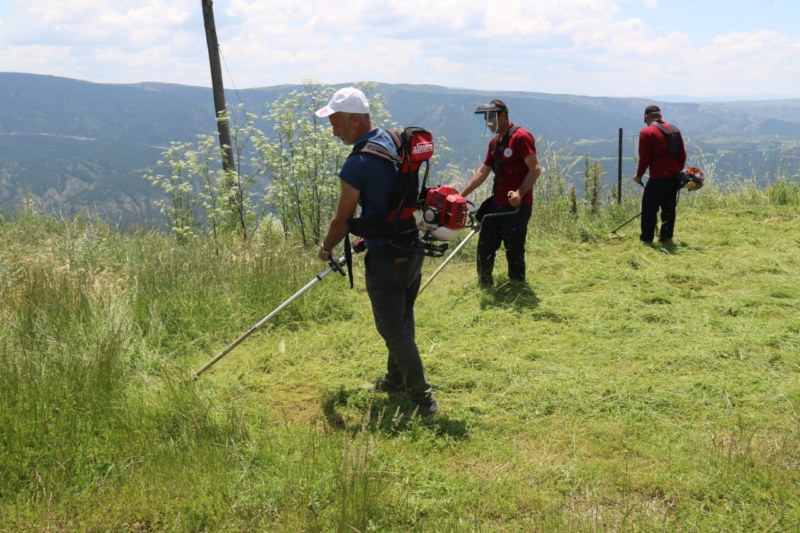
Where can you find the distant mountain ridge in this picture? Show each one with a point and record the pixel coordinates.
(67, 143)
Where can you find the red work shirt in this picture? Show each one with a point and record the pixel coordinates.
(654, 153)
(506, 158)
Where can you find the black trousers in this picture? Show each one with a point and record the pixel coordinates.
(393, 279)
(510, 231)
(659, 194)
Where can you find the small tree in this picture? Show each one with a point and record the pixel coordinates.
(180, 200)
(573, 200)
(203, 164)
(239, 185)
(200, 195)
(304, 158)
(593, 183)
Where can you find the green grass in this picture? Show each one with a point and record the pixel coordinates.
(626, 387)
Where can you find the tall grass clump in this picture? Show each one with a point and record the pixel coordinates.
(783, 192)
(70, 414)
(190, 295)
(67, 345)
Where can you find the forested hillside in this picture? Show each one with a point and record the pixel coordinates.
(67, 144)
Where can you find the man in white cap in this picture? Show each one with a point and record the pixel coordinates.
(393, 274)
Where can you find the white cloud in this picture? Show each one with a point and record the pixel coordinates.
(120, 22)
(600, 47)
(758, 62)
(43, 59)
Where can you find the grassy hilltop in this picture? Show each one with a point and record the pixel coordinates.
(626, 387)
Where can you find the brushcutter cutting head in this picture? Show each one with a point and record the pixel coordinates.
(692, 179)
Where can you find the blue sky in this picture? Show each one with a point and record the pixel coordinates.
(644, 48)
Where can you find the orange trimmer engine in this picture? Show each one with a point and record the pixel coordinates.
(445, 212)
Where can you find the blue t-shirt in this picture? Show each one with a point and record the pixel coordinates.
(374, 177)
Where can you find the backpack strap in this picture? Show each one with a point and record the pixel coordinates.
(673, 136)
(506, 138)
(497, 162)
(348, 258)
(373, 148)
(665, 131)
(378, 150)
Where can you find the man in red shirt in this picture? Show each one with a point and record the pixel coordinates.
(665, 158)
(512, 158)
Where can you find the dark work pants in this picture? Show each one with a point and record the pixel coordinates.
(509, 230)
(659, 194)
(393, 280)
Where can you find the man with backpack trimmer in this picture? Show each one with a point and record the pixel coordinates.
(512, 158)
(393, 268)
(661, 150)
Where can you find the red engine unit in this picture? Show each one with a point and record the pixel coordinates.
(445, 207)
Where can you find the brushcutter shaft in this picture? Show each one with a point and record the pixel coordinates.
(334, 265)
(447, 260)
(634, 217)
(637, 215)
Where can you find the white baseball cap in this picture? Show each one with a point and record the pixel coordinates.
(347, 100)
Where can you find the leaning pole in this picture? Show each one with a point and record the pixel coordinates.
(217, 86)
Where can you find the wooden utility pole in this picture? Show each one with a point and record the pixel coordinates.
(216, 84)
(619, 169)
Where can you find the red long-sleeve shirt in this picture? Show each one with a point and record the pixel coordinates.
(654, 154)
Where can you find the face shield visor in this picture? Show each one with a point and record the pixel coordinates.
(487, 117)
(486, 123)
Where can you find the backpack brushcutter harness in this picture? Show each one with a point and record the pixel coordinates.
(420, 216)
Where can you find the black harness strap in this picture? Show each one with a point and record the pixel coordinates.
(673, 134)
(497, 151)
(348, 258)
